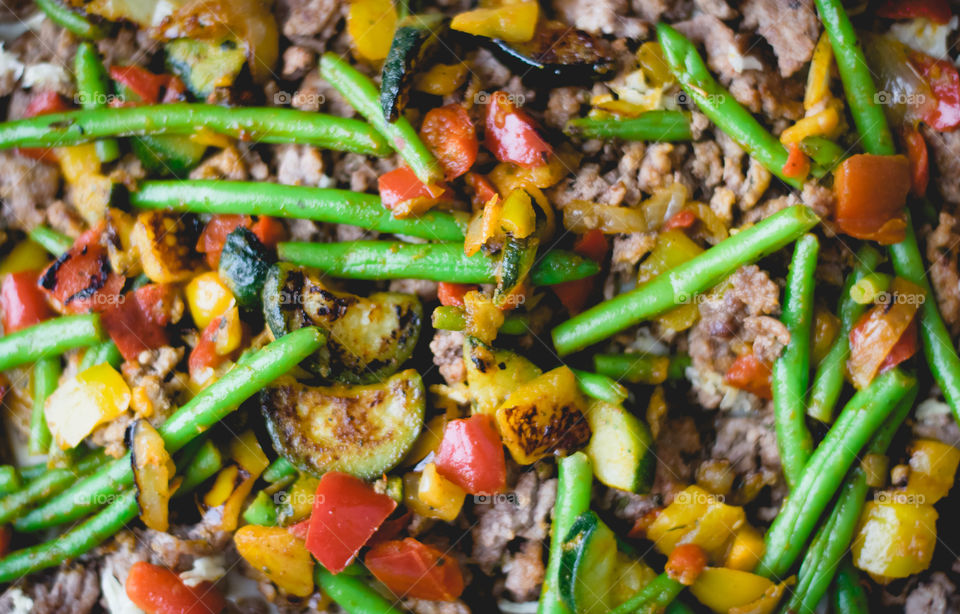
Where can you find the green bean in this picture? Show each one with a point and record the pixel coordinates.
(827, 154)
(825, 470)
(106, 352)
(51, 240)
(46, 376)
(866, 291)
(261, 124)
(655, 596)
(857, 83)
(71, 20)
(301, 202)
(848, 594)
(651, 126)
(354, 594)
(639, 368)
(48, 484)
(574, 487)
(50, 338)
(828, 379)
(680, 284)
(363, 96)
(206, 462)
(215, 402)
(94, 531)
(601, 387)
(719, 105)
(279, 470)
(92, 88)
(450, 317)
(10, 480)
(791, 371)
(833, 539)
(379, 260)
(261, 511)
(32, 472)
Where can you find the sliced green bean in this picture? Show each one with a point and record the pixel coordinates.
(354, 594)
(106, 352)
(653, 597)
(46, 485)
(639, 368)
(601, 387)
(866, 291)
(827, 154)
(206, 462)
(10, 480)
(54, 242)
(848, 594)
(260, 124)
(218, 400)
(379, 260)
(450, 317)
(287, 201)
(32, 472)
(363, 96)
(680, 284)
(50, 338)
(261, 511)
(92, 89)
(791, 371)
(279, 470)
(46, 376)
(71, 20)
(662, 126)
(574, 488)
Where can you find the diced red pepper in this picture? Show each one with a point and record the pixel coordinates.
(918, 158)
(401, 185)
(593, 244)
(681, 219)
(300, 529)
(481, 188)
(81, 279)
(43, 103)
(451, 136)
(452, 294)
(937, 11)
(511, 134)
(22, 301)
(390, 529)
(157, 590)
(904, 349)
(139, 321)
(471, 455)
(269, 230)
(751, 374)
(574, 294)
(797, 165)
(5, 534)
(944, 82)
(641, 524)
(412, 569)
(685, 563)
(871, 194)
(214, 235)
(204, 355)
(346, 513)
(147, 86)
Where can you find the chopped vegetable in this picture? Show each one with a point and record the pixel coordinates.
(153, 469)
(371, 25)
(412, 569)
(279, 555)
(511, 134)
(415, 38)
(159, 590)
(92, 397)
(451, 136)
(894, 540)
(620, 448)
(138, 322)
(22, 301)
(874, 336)
(557, 52)
(871, 192)
(513, 23)
(471, 455)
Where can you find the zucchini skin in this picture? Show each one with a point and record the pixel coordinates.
(557, 54)
(362, 430)
(165, 154)
(244, 263)
(587, 564)
(413, 41)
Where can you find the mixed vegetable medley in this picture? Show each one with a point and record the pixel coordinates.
(556, 308)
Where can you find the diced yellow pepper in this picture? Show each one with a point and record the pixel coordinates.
(371, 24)
(91, 197)
(300, 497)
(875, 467)
(826, 327)
(93, 397)
(205, 136)
(441, 79)
(656, 410)
(673, 248)
(721, 589)
(230, 333)
(411, 495)
(222, 487)
(492, 213)
(473, 238)
(442, 496)
(279, 555)
(25, 256)
(933, 466)
(697, 517)
(78, 161)
(655, 68)
(746, 550)
(124, 257)
(618, 106)
(818, 79)
(484, 319)
(823, 123)
(507, 177)
(518, 217)
(513, 23)
(230, 516)
(894, 540)
(207, 298)
(767, 603)
(429, 441)
(246, 450)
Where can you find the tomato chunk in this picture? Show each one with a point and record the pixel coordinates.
(511, 134)
(880, 330)
(269, 230)
(685, 563)
(797, 164)
(147, 86)
(452, 294)
(412, 569)
(22, 301)
(574, 294)
(157, 590)
(451, 136)
(214, 235)
(903, 349)
(139, 321)
(751, 374)
(481, 190)
(346, 513)
(471, 455)
(871, 193)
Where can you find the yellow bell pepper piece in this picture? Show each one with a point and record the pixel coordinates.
(484, 319)
(279, 555)
(300, 497)
(894, 540)
(230, 516)
(513, 23)
(721, 589)
(697, 517)
(78, 161)
(222, 487)
(826, 327)
(429, 441)
(933, 466)
(441, 79)
(25, 256)
(230, 332)
(617, 106)
(823, 123)
(656, 410)
(767, 603)
(205, 136)
(207, 298)
(518, 217)
(746, 550)
(490, 225)
(655, 68)
(444, 498)
(507, 177)
(371, 24)
(673, 248)
(93, 397)
(246, 450)
(818, 79)
(473, 239)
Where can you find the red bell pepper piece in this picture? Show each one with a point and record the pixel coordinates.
(22, 301)
(139, 321)
(681, 219)
(918, 158)
(749, 373)
(43, 103)
(346, 513)
(574, 294)
(390, 529)
(5, 534)
(300, 529)
(944, 82)
(481, 189)
(269, 230)
(449, 133)
(471, 455)
(798, 164)
(450, 293)
(511, 134)
(81, 279)
(412, 569)
(148, 87)
(871, 193)
(214, 235)
(158, 590)
(905, 348)
(401, 185)
(204, 355)
(937, 11)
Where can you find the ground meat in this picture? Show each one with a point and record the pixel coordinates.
(306, 17)
(154, 371)
(718, 8)
(586, 184)
(726, 51)
(945, 155)
(422, 606)
(124, 48)
(938, 595)
(447, 349)
(227, 165)
(791, 28)
(627, 252)
(626, 505)
(943, 245)
(678, 452)
(564, 104)
(653, 10)
(524, 572)
(600, 17)
(360, 173)
(938, 425)
(769, 336)
(425, 289)
(656, 170)
(64, 218)
(706, 164)
(819, 198)
(297, 62)
(748, 442)
(300, 165)
(26, 188)
(489, 70)
(74, 589)
(173, 552)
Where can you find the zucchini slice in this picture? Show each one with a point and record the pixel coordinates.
(518, 257)
(415, 38)
(204, 66)
(493, 373)
(621, 448)
(167, 154)
(588, 565)
(244, 263)
(370, 337)
(558, 53)
(361, 430)
(153, 469)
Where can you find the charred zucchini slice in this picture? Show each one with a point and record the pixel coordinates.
(362, 430)
(167, 154)
(370, 337)
(516, 260)
(204, 66)
(493, 373)
(153, 469)
(244, 263)
(559, 54)
(621, 448)
(415, 38)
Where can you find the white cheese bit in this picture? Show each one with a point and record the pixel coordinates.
(924, 35)
(48, 76)
(21, 603)
(931, 407)
(205, 569)
(115, 594)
